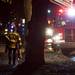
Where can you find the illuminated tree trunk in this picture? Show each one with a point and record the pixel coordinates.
(28, 10)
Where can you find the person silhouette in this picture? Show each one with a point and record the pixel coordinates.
(12, 45)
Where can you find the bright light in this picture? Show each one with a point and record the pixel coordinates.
(5, 33)
(63, 23)
(6, 30)
(49, 40)
(71, 12)
(49, 22)
(49, 44)
(57, 38)
(23, 20)
(22, 25)
(61, 10)
(49, 31)
(19, 24)
(11, 30)
(12, 26)
(50, 49)
(49, 11)
(19, 38)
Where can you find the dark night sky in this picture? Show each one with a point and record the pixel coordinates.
(4, 10)
(17, 8)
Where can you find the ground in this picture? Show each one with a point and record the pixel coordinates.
(56, 64)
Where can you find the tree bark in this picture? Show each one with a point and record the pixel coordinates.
(28, 10)
(35, 40)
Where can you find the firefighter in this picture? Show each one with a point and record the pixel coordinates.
(13, 45)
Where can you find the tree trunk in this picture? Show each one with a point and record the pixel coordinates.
(28, 10)
(35, 48)
(35, 40)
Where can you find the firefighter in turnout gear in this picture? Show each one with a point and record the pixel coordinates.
(14, 43)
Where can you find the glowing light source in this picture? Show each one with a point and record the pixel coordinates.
(12, 26)
(50, 49)
(49, 11)
(22, 25)
(57, 38)
(6, 30)
(63, 23)
(49, 22)
(11, 30)
(23, 20)
(61, 11)
(49, 31)
(49, 40)
(71, 11)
